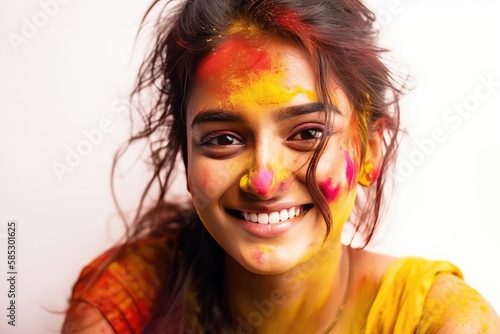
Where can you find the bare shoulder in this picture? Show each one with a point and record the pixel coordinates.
(83, 318)
(458, 308)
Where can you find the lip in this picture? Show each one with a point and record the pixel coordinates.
(269, 208)
(270, 230)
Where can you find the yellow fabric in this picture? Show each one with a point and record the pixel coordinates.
(398, 306)
(125, 290)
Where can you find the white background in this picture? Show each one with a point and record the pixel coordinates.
(76, 71)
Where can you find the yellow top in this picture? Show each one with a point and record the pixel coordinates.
(399, 303)
(125, 290)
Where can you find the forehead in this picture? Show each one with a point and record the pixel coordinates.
(237, 55)
(255, 70)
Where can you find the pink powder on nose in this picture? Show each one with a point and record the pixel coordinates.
(330, 191)
(262, 181)
(349, 170)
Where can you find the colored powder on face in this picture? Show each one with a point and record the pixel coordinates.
(283, 178)
(262, 88)
(244, 182)
(259, 258)
(246, 74)
(262, 181)
(269, 179)
(330, 191)
(233, 58)
(266, 249)
(349, 171)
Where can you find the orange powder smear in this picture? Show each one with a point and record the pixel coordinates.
(245, 73)
(231, 59)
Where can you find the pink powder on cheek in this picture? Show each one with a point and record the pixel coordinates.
(349, 170)
(262, 181)
(330, 191)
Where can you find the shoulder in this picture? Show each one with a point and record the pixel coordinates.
(402, 289)
(117, 288)
(454, 307)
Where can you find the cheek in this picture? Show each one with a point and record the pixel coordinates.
(329, 189)
(341, 177)
(204, 182)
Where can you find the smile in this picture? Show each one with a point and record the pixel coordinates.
(272, 217)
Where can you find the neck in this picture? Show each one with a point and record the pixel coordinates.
(306, 297)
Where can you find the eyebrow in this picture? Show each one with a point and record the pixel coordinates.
(216, 115)
(297, 110)
(221, 115)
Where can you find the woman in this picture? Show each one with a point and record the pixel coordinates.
(286, 121)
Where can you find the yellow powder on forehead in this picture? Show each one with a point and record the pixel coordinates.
(266, 88)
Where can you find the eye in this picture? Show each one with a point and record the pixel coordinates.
(221, 140)
(308, 134)
(305, 137)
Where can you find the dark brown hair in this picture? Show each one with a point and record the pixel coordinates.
(339, 39)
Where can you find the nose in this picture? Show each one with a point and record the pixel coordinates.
(268, 176)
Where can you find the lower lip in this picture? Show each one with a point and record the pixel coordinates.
(271, 230)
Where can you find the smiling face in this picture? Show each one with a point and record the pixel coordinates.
(253, 120)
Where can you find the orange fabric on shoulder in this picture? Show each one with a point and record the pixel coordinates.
(125, 290)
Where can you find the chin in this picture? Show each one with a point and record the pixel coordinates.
(275, 260)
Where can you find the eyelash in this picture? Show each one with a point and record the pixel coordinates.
(300, 143)
(207, 142)
(319, 133)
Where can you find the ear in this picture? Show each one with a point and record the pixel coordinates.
(370, 168)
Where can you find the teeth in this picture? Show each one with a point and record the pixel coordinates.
(263, 218)
(284, 214)
(273, 217)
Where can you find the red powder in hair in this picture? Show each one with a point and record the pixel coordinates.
(330, 191)
(290, 20)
